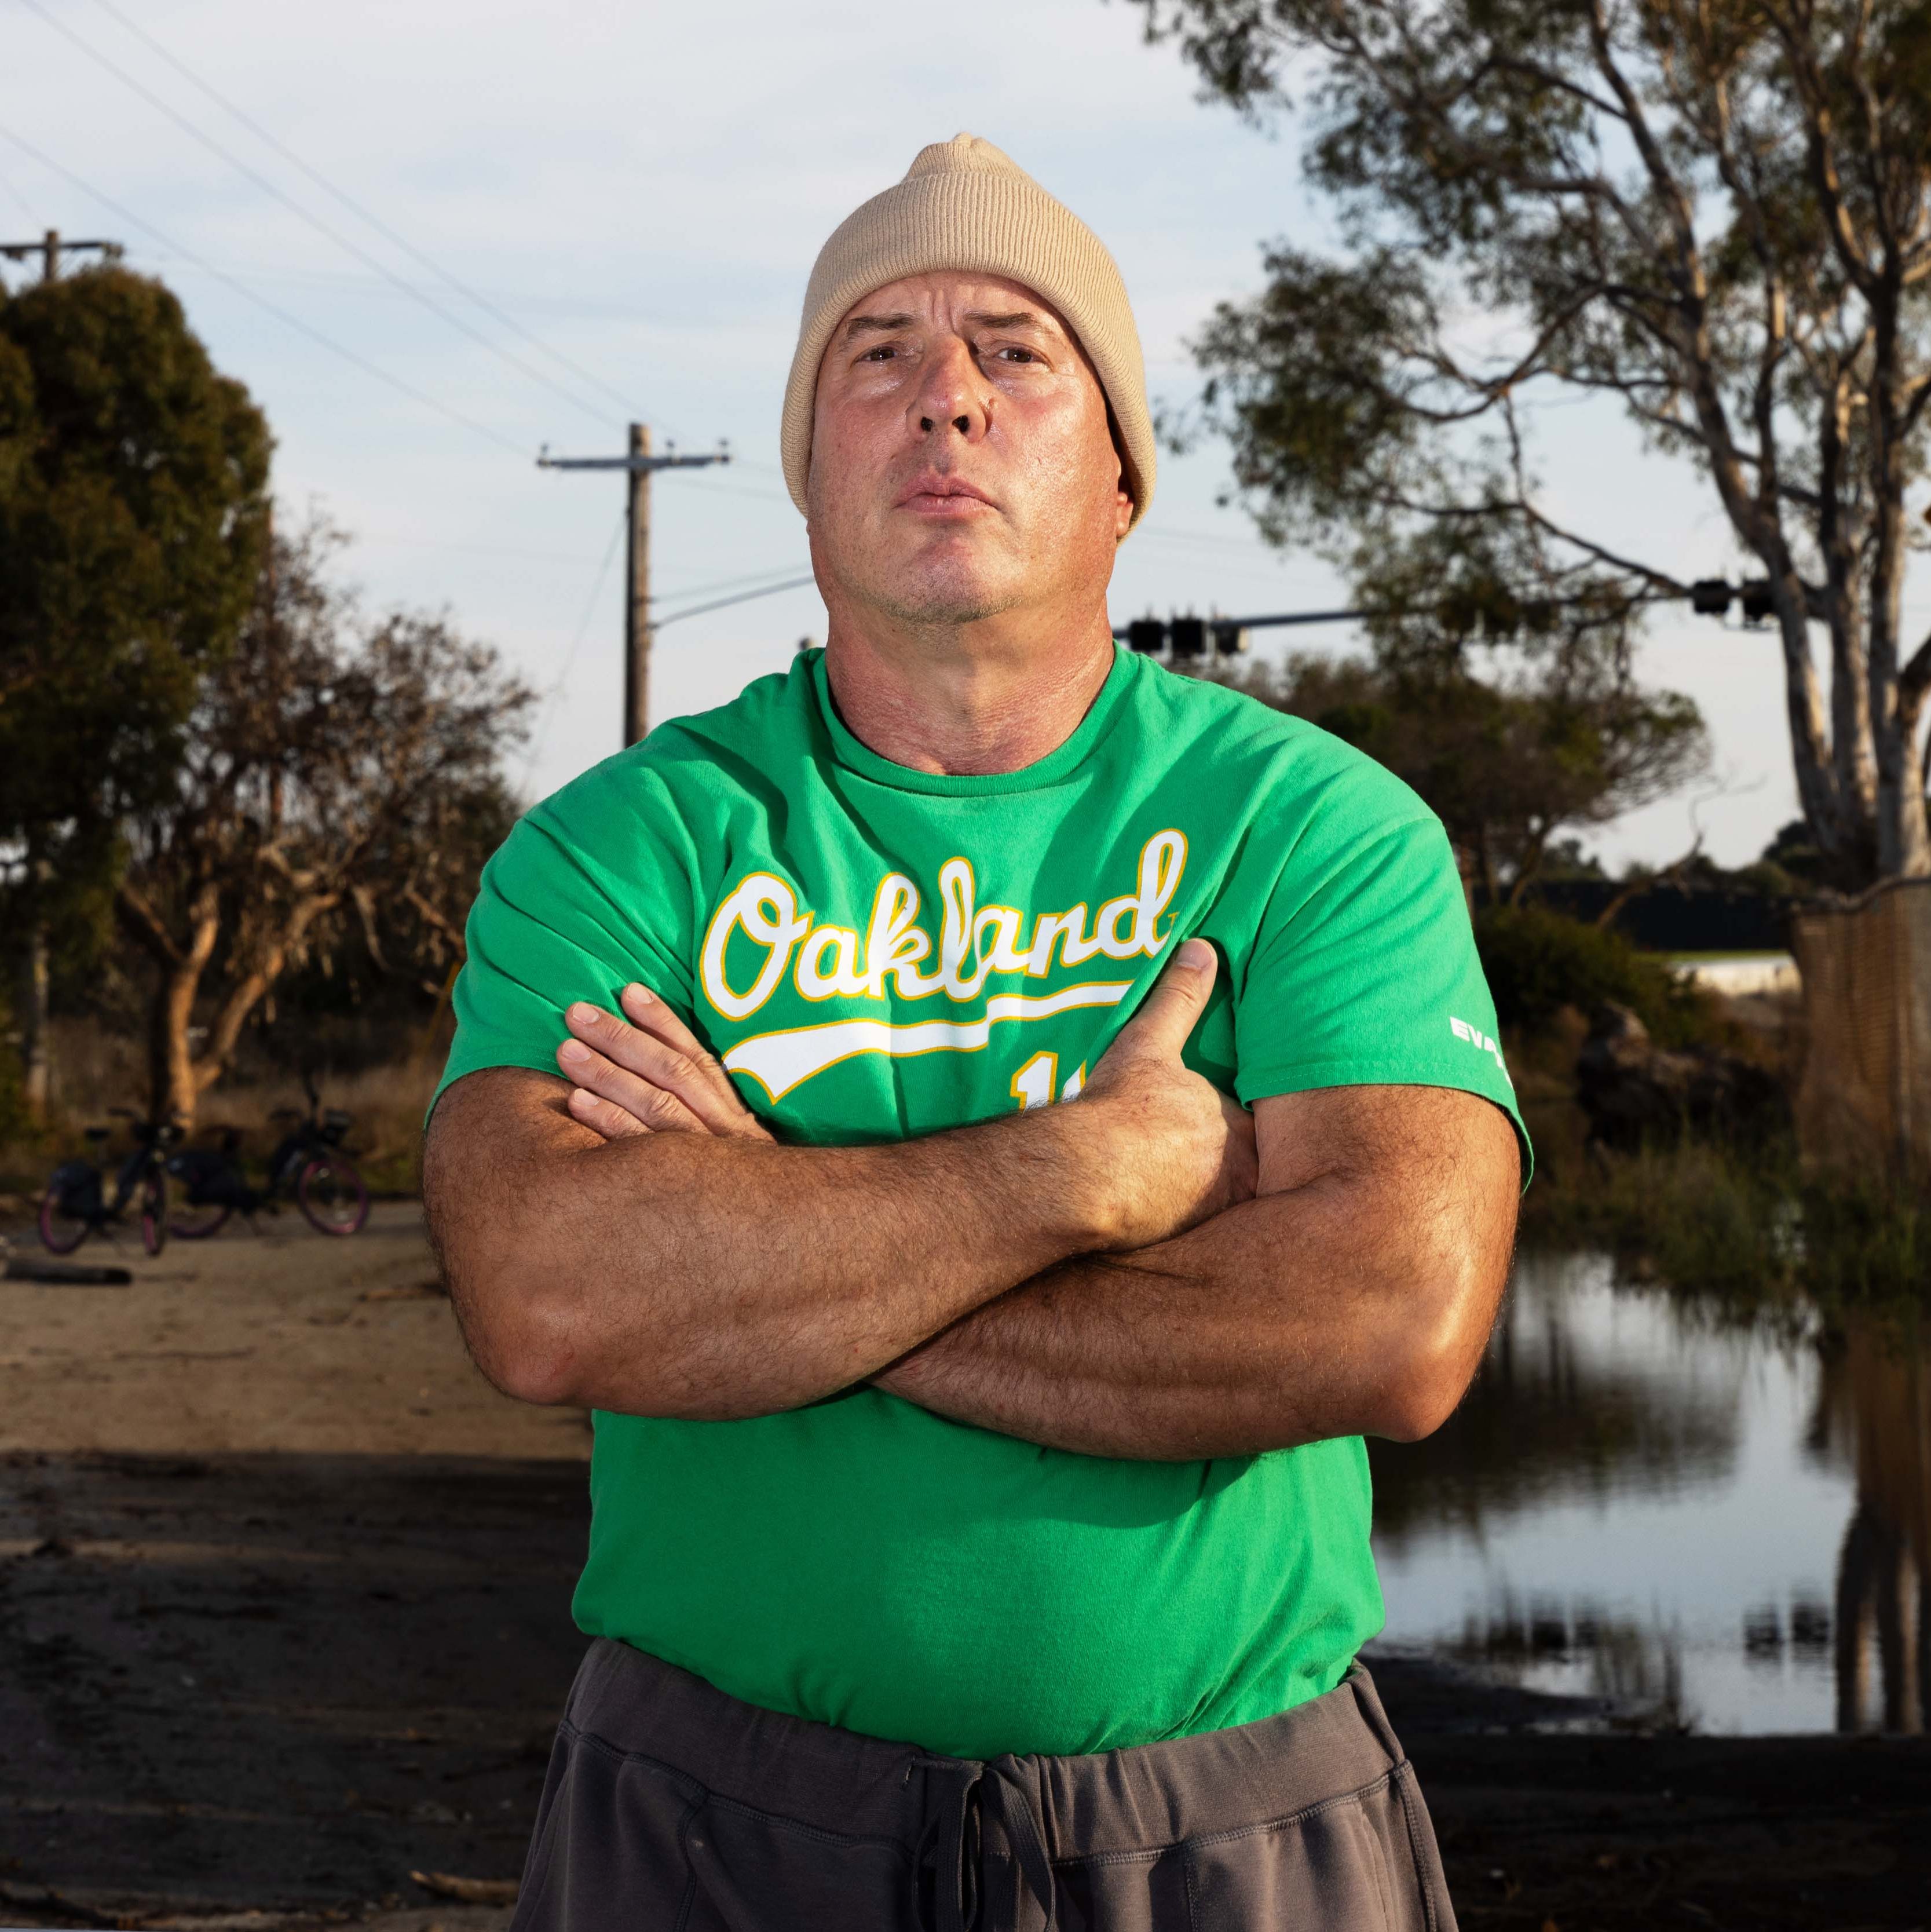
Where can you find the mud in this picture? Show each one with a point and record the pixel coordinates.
(276, 1681)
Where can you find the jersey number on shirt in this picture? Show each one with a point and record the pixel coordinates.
(1031, 1086)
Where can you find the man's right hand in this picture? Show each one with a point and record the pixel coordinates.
(1173, 1150)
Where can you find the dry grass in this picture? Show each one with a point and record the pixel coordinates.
(94, 1070)
(387, 1103)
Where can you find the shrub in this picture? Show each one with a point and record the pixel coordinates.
(1538, 962)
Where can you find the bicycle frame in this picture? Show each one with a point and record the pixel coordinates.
(127, 1177)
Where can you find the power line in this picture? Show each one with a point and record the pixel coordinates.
(315, 221)
(274, 309)
(1205, 540)
(570, 655)
(743, 597)
(705, 487)
(573, 556)
(576, 308)
(748, 577)
(26, 205)
(356, 208)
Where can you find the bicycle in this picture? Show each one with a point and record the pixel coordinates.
(308, 1168)
(76, 1204)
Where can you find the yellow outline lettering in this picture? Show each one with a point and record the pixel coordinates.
(1033, 1085)
(779, 930)
(843, 981)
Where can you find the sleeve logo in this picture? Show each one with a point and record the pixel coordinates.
(1482, 1042)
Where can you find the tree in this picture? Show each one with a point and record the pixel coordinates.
(1716, 212)
(325, 764)
(374, 987)
(133, 503)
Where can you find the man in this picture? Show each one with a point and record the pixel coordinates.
(980, 1530)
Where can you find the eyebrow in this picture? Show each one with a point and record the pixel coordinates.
(887, 324)
(868, 324)
(1023, 318)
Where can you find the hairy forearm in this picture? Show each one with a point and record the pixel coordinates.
(1283, 1321)
(680, 1274)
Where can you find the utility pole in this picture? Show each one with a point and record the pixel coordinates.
(50, 248)
(639, 464)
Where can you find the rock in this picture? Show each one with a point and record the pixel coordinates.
(1634, 1090)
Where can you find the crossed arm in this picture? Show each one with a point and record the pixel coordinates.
(1148, 1272)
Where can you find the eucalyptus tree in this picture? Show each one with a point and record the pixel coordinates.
(1715, 214)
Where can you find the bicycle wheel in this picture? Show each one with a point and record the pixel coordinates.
(330, 1193)
(154, 1211)
(196, 1224)
(60, 1232)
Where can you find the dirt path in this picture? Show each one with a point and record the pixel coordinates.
(284, 1585)
(284, 1594)
(286, 1341)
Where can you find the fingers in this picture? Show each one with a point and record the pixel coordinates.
(708, 1091)
(603, 1116)
(645, 1010)
(655, 1050)
(603, 1079)
(1168, 1013)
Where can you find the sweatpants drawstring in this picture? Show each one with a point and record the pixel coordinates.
(952, 1844)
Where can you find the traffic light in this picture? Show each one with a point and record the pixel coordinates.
(1187, 637)
(1756, 601)
(1230, 639)
(1710, 597)
(1148, 634)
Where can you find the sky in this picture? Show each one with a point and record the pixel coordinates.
(637, 193)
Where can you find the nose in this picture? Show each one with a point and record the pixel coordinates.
(951, 395)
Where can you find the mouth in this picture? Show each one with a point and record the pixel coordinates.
(932, 495)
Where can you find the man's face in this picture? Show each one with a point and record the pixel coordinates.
(962, 462)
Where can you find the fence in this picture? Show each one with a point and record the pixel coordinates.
(1864, 1102)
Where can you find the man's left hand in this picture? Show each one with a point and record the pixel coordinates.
(644, 1071)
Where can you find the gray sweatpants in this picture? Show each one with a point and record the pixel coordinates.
(672, 1807)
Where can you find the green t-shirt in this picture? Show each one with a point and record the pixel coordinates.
(877, 953)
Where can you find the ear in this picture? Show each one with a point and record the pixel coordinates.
(1123, 497)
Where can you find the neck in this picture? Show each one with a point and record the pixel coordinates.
(970, 700)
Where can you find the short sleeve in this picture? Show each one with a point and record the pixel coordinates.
(581, 899)
(1364, 969)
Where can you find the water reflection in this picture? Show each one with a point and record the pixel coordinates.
(1717, 1526)
(1871, 1413)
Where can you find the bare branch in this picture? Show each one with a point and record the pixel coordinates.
(141, 922)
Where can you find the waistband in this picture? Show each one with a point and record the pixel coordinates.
(1135, 1799)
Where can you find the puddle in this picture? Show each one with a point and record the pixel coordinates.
(1721, 1528)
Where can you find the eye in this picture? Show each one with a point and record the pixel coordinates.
(1013, 350)
(884, 351)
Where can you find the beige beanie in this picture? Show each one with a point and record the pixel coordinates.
(963, 205)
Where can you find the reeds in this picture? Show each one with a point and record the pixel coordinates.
(1742, 1224)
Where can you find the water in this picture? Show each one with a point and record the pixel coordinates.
(1723, 1527)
